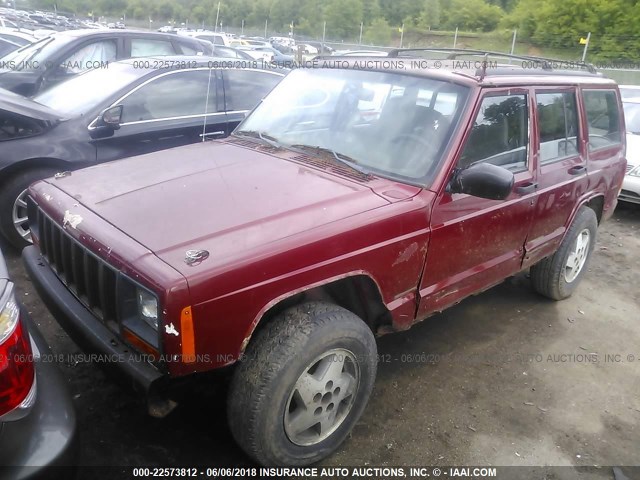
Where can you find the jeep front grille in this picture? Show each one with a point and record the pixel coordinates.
(88, 277)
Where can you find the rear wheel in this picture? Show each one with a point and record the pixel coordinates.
(558, 276)
(14, 224)
(302, 385)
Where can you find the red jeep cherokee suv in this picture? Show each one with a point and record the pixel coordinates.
(355, 200)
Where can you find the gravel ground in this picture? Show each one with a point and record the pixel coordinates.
(504, 378)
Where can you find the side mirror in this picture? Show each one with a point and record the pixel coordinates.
(106, 123)
(483, 180)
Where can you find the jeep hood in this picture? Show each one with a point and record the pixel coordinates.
(214, 196)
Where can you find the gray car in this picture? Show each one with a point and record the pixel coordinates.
(38, 430)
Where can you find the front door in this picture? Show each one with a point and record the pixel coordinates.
(168, 111)
(476, 243)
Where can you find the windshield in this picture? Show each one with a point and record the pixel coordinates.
(34, 56)
(83, 92)
(386, 123)
(632, 117)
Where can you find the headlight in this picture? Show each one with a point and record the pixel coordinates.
(148, 307)
(635, 172)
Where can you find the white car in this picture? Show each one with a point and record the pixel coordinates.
(308, 49)
(631, 185)
(213, 37)
(628, 92)
(267, 55)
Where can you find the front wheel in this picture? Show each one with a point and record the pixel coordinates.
(302, 385)
(14, 224)
(558, 276)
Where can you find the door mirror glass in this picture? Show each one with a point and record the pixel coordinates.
(112, 116)
(483, 180)
(107, 123)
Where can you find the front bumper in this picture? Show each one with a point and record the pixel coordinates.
(630, 189)
(43, 444)
(88, 332)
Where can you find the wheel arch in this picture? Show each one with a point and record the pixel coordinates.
(39, 162)
(595, 202)
(357, 292)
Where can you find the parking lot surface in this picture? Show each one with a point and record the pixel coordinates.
(505, 378)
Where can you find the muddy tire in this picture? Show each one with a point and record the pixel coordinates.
(302, 385)
(13, 212)
(558, 276)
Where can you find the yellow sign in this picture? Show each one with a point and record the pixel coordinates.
(583, 41)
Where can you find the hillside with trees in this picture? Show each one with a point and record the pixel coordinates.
(544, 24)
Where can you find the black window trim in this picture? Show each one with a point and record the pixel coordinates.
(608, 88)
(502, 92)
(552, 90)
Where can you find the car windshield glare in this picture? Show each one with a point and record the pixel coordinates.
(392, 125)
(83, 92)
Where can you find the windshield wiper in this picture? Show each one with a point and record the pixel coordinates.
(340, 158)
(260, 135)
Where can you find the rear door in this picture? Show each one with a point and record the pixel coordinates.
(475, 242)
(562, 176)
(167, 111)
(243, 90)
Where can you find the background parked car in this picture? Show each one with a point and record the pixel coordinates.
(322, 48)
(631, 185)
(628, 92)
(37, 417)
(215, 38)
(18, 36)
(257, 53)
(60, 56)
(128, 109)
(228, 52)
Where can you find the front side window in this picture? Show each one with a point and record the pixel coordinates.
(603, 118)
(142, 47)
(391, 124)
(175, 95)
(558, 125)
(500, 133)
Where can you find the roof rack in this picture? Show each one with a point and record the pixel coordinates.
(453, 53)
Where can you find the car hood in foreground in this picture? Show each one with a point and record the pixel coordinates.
(215, 196)
(13, 103)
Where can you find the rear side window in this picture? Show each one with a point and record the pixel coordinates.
(243, 89)
(603, 118)
(188, 49)
(500, 133)
(141, 47)
(558, 125)
(93, 55)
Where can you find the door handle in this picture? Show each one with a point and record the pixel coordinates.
(577, 170)
(211, 134)
(526, 188)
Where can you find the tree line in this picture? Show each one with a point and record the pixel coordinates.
(614, 24)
